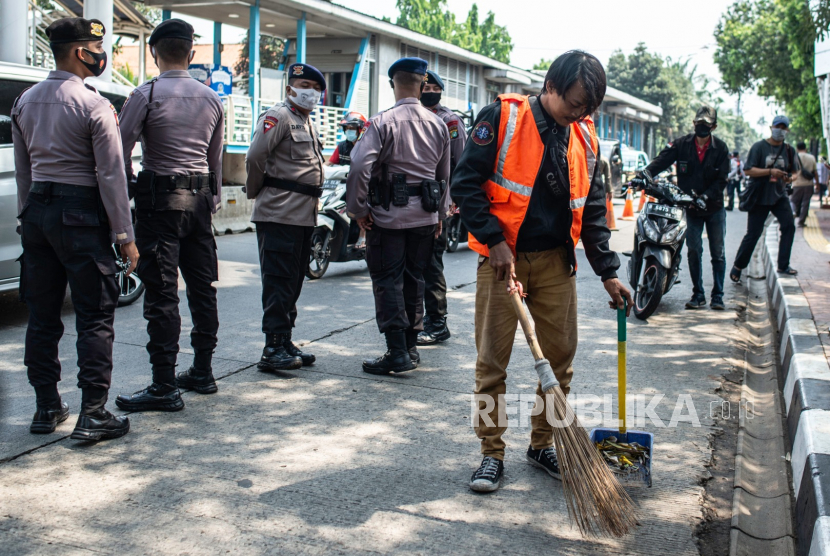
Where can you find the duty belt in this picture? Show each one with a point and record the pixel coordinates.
(55, 189)
(414, 190)
(192, 182)
(294, 186)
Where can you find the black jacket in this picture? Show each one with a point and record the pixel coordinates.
(476, 167)
(708, 178)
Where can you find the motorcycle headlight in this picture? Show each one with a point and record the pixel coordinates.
(671, 234)
(650, 228)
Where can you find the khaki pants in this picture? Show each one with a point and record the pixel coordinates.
(551, 298)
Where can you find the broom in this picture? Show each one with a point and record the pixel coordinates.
(596, 500)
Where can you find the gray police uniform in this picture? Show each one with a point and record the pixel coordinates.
(435, 286)
(180, 123)
(285, 179)
(413, 143)
(72, 199)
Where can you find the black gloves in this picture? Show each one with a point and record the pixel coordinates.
(700, 202)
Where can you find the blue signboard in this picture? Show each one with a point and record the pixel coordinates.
(218, 78)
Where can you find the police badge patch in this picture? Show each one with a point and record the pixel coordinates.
(482, 134)
(269, 123)
(453, 127)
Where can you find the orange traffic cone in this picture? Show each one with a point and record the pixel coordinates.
(628, 210)
(609, 215)
(642, 201)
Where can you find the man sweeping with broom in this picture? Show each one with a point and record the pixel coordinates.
(526, 192)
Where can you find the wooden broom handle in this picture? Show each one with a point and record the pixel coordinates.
(527, 328)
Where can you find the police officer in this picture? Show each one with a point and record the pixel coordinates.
(702, 168)
(72, 200)
(351, 124)
(285, 177)
(397, 189)
(181, 125)
(435, 286)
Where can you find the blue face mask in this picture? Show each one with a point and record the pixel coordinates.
(351, 135)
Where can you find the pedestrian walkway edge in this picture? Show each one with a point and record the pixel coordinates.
(806, 391)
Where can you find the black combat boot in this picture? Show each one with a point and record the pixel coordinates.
(275, 357)
(199, 377)
(435, 331)
(395, 360)
(293, 350)
(412, 346)
(161, 395)
(95, 422)
(51, 411)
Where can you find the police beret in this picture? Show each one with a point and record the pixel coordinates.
(409, 65)
(305, 71)
(171, 29)
(75, 29)
(434, 79)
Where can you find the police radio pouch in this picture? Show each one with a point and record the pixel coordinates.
(431, 193)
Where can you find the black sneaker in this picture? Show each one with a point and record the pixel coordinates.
(434, 333)
(717, 304)
(545, 459)
(790, 271)
(696, 303)
(200, 381)
(156, 397)
(487, 477)
(46, 420)
(100, 425)
(292, 350)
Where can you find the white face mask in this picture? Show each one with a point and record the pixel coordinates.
(306, 98)
(351, 135)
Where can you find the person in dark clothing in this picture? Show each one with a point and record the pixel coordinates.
(352, 125)
(770, 166)
(736, 173)
(702, 168)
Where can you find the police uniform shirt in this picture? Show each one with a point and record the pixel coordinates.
(185, 127)
(458, 135)
(66, 132)
(285, 145)
(410, 140)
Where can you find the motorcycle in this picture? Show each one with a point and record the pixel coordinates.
(654, 266)
(456, 232)
(336, 237)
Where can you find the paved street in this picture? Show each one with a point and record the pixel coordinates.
(332, 460)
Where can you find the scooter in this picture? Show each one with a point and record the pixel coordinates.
(654, 266)
(335, 239)
(456, 232)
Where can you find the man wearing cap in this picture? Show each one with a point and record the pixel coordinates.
(435, 286)
(397, 190)
(181, 125)
(285, 177)
(702, 168)
(72, 203)
(770, 167)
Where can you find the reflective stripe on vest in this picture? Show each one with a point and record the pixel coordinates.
(520, 155)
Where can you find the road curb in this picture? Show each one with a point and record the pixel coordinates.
(806, 377)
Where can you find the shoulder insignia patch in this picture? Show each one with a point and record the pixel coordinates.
(269, 123)
(114, 113)
(483, 134)
(366, 127)
(453, 127)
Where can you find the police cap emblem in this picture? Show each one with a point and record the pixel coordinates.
(298, 70)
(96, 29)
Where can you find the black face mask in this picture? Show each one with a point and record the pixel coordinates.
(702, 130)
(100, 63)
(430, 99)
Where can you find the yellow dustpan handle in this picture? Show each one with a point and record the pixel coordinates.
(621, 365)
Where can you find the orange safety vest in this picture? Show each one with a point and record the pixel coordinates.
(521, 150)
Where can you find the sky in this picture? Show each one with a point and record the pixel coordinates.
(546, 28)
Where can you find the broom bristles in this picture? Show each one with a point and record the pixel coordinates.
(596, 500)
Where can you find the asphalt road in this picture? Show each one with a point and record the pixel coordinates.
(332, 460)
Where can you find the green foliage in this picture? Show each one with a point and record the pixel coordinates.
(821, 17)
(270, 51)
(153, 15)
(769, 45)
(543, 64)
(433, 18)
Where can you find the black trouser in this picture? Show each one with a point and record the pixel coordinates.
(755, 227)
(732, 187)
(801, 202)
(284, 252)
(435, 285)
(396, 260)
(66, 241)
(169, 240)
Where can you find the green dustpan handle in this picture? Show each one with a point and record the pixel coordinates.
(621, 367)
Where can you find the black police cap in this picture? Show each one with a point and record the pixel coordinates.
(408, 65)
(75, 29)
(171, 29)
(434, 79)
(305, 71)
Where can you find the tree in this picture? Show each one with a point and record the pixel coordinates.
(433, 18)
(769, 45)
(543, 64)
(270, 52)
